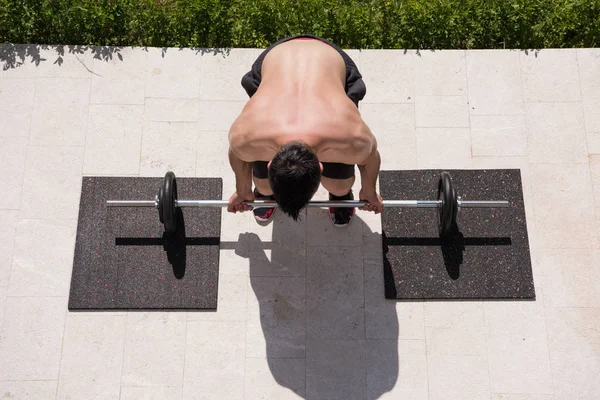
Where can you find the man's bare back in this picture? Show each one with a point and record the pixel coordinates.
(302, 116)
(302, 97)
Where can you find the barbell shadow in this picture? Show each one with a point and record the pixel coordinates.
(452, 246)
(175, 245)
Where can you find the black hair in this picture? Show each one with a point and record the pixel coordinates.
(294, 177)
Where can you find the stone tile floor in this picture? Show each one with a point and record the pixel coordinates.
(291, 323)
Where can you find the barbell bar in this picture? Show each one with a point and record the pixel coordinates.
(447, 203)
(312, 203)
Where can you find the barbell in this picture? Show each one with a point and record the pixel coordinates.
(447, 203)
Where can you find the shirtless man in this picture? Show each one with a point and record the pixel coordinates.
(301, 128)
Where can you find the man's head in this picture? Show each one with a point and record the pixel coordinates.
(294, 176)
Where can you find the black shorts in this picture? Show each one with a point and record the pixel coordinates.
(355, 90)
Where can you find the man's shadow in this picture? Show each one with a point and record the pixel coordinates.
(314, 304)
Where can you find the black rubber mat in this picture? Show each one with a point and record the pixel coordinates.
(122, 260)
(487, 257)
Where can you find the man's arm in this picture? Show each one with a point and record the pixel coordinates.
(369, 169)
(243, 173)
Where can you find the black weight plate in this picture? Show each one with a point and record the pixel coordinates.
(447, 211)
(169, 198)
(159, 205)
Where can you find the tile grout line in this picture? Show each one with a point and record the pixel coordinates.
(87, 123)
(586, 145)
(533, 205)
(184, 352)
(62, 347)
(487, 349)
(468, 105)
(123, 354)
(10, 270)
(144, 122)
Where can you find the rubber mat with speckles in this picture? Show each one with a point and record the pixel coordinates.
(488, 256)
(122, 260)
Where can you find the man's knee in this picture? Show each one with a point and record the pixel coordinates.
(337, 187)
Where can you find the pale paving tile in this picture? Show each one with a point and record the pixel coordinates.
(232, 263)
(396, 369)
(219, 115)
(231, 303)
(555, 133)
(336, 369)
(3, 297)
(32, 336)
(214, 360)
(221, 74)
(455, 328)
(388, 76)
(589, 76)
(173, 73)
(570, 277)
(517, 346)
(388, 117)
(114, 140)
(440, 73)
(121, 79)
(443, 148)
(158, 109)
(275, 378)
(212, 157)
(28, 390)
(65, 61)
(60, 112)
(595, 174)
(276, 324)
(593, 140)
(13, 153)
(92, 357)
(394, 128)
(233, 225)
(458, 377)
(574, 344)
(269, 258)
(442, 112)
(54, 175)
(556, 189)
(354, 54)
(282, 231)
(151, 393)
(322, 232)
(387, 319)
(22, 61)
(550, 75)
(494, 82)
(8, 232)
(16, 106)
(155, 346)
(335, 302)
(498, 135)
(169, 146)
(43, 257)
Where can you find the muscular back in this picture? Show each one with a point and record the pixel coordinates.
(302, 97)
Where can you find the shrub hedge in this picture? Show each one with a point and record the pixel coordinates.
(392, 24)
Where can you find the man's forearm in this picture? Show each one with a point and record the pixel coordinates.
(369, 171)
(243, 173)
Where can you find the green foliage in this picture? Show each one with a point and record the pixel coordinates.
(392, 24)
